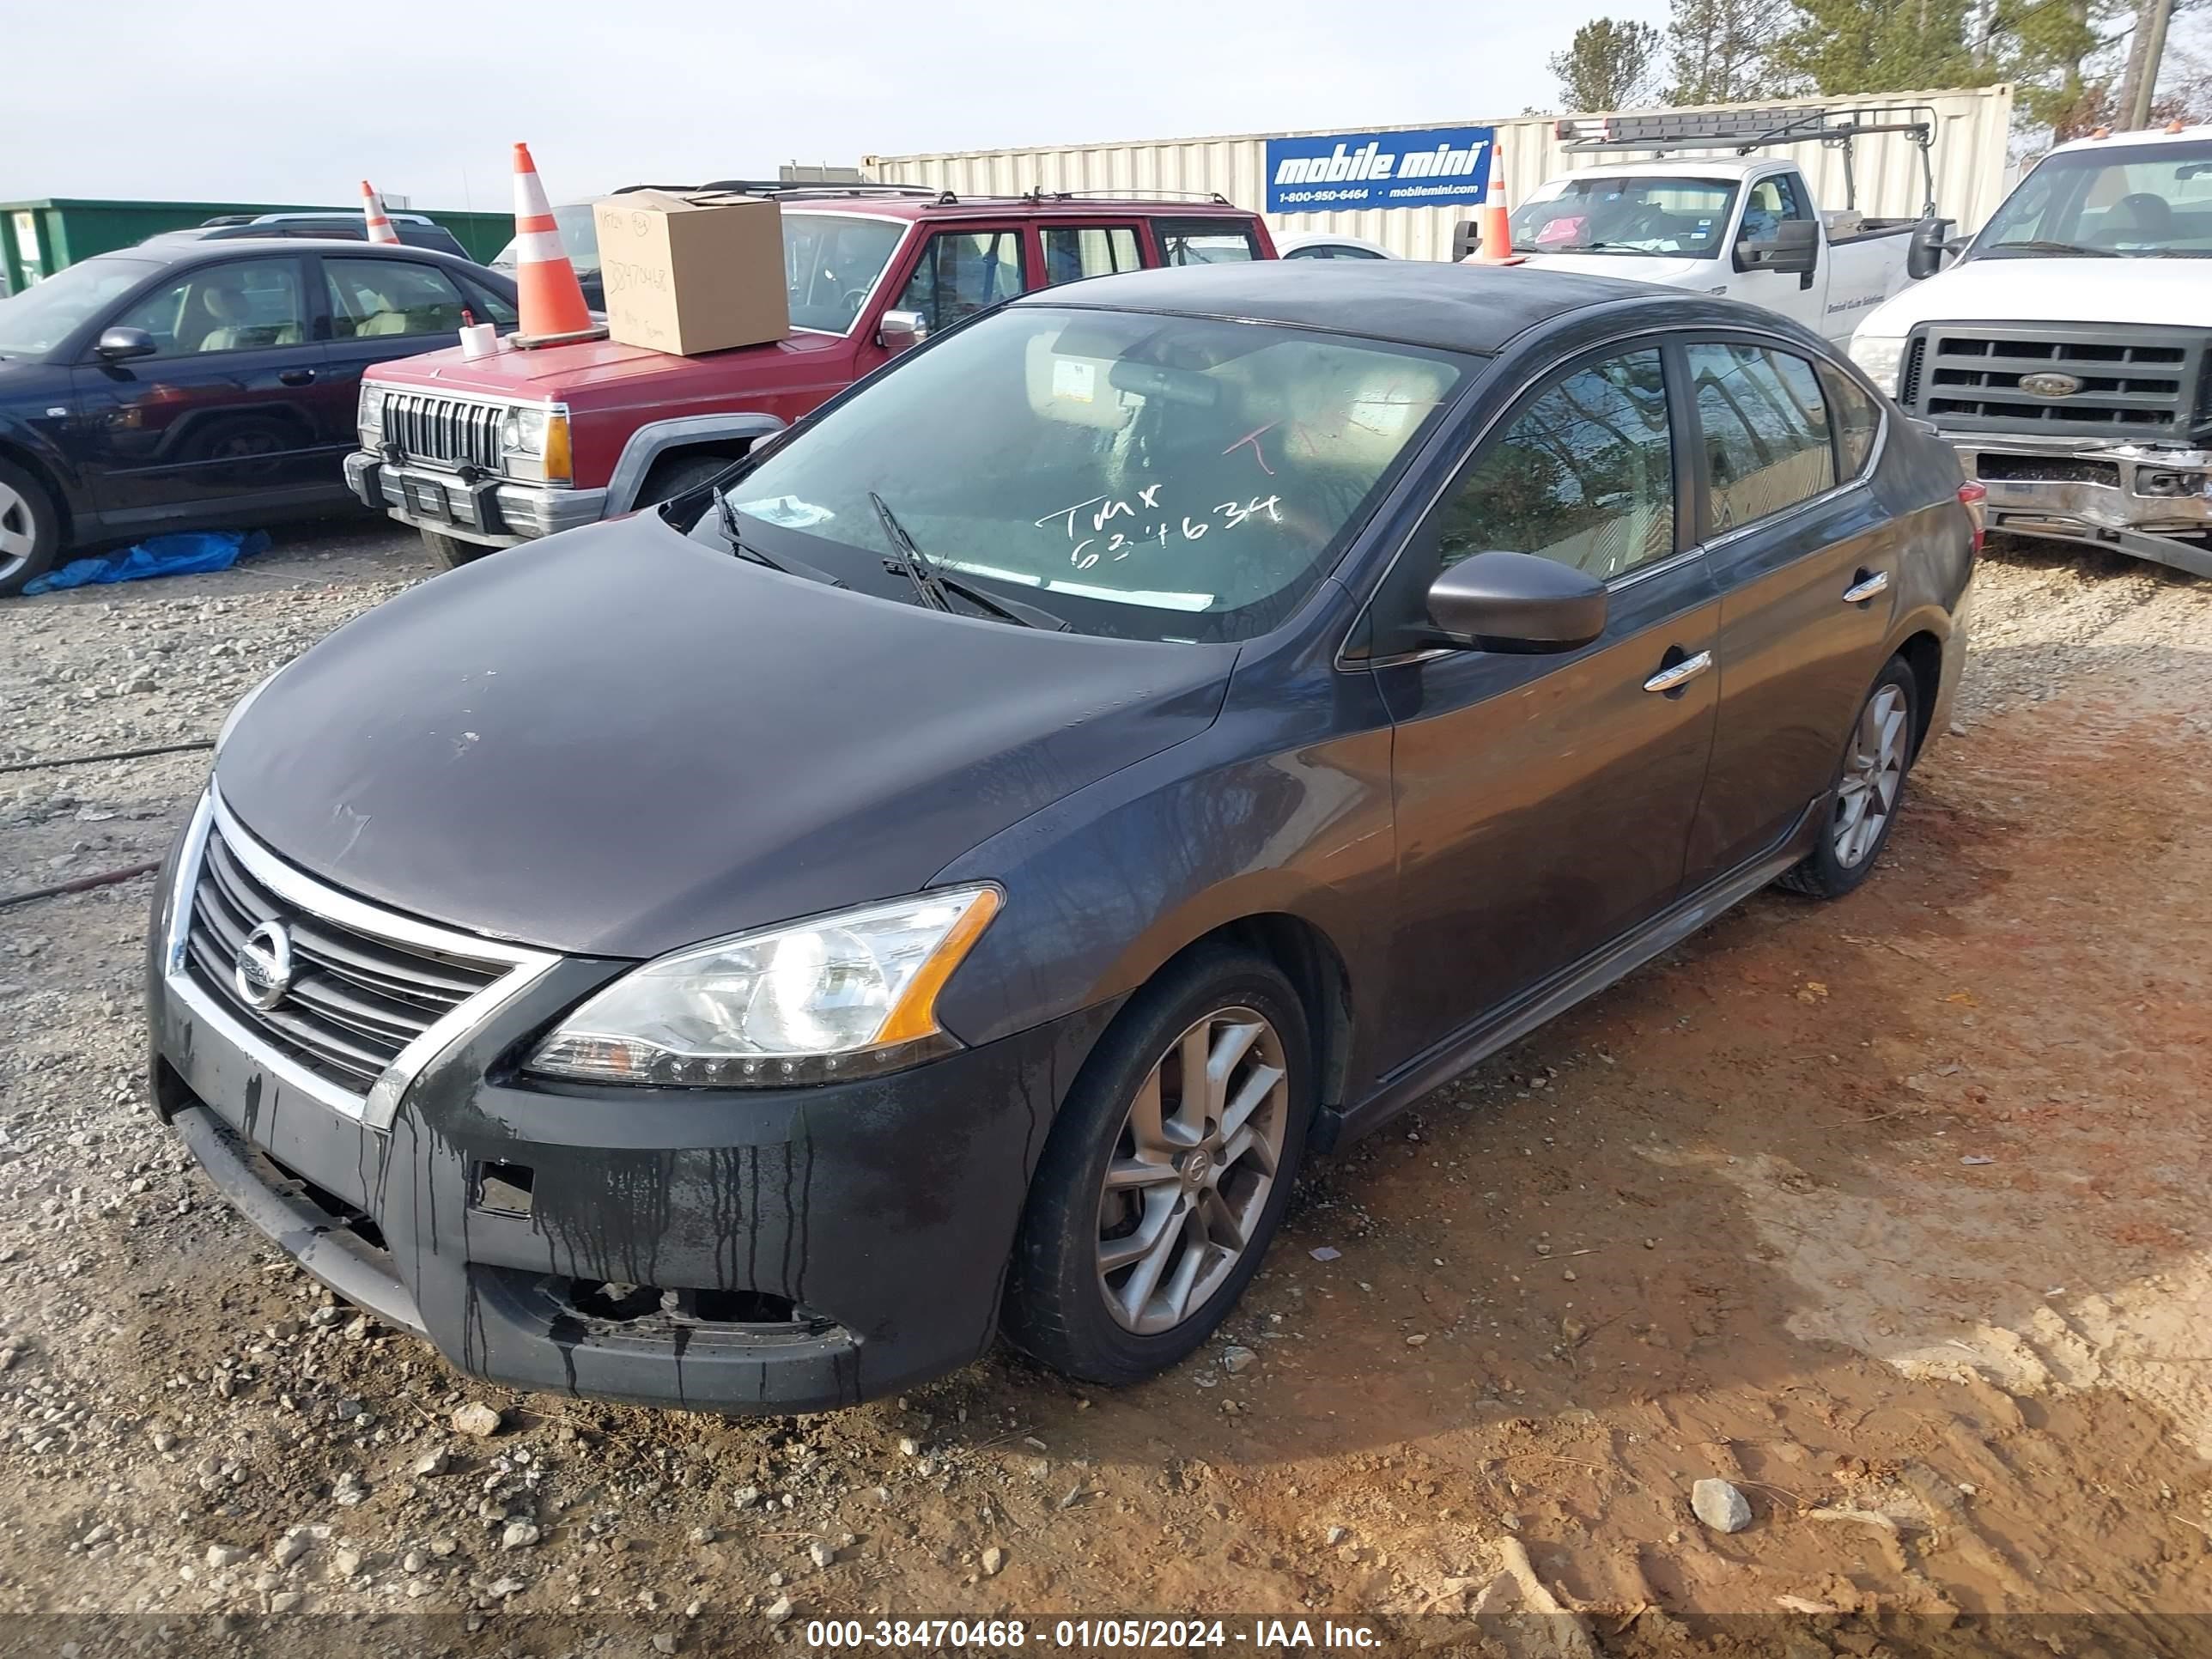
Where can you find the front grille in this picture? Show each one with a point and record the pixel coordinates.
(2135, 383)
(357, 999)
(444, 432)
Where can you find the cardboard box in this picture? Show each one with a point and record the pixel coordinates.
(689, 273)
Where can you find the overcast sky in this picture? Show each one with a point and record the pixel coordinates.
(253, 101)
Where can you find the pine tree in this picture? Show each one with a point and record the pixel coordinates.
(1720, 50)
(1608, 67)
(1847, 47)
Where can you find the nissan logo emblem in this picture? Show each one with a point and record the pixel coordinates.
(2049, 385)
(262, 968)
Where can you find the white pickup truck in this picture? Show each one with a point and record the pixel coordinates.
(2067, 352)
(1745, 225)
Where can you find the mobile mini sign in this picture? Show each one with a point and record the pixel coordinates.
(1433, 166)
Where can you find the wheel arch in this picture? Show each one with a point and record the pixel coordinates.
(1924, 654)
(656, 440)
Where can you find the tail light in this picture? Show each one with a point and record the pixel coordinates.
(1971, 496)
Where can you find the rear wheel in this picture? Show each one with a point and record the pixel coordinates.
(30, 529)
(1166, 1174)
(1870, 785)
(451, 551)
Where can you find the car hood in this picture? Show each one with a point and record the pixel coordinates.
(2018, 289)
(551, 373)
(620, 741)
(1669, 268)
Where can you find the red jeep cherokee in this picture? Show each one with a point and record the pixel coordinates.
(485, 453)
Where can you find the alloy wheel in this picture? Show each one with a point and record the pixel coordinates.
(1872, 771)
(1192, 1169)
(17, 531)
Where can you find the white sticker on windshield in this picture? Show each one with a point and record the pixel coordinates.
(786, 510)
(1076, 381)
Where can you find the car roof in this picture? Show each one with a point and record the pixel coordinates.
(230, 247)
(1682, 166)
(1423, 302)
(2132, 139)
(898, 202)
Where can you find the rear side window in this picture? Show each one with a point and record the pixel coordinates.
(377, 298)
(1584, 475)
(1856, 416)
(1204, 241)
(1072, 252)
(1765, 422)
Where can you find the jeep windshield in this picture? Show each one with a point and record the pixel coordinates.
(1626, 213)
(2145, 202)
(1143, 477)
(832, 261)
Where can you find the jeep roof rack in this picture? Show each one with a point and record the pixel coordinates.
(777, 187)
(1744, 131)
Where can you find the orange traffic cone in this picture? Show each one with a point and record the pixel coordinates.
(380, 221)
(1496, 247)
(548, 295)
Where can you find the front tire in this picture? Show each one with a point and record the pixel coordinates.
(451, 552)
(1156, 1197)
(30, 529)
(1869, 787)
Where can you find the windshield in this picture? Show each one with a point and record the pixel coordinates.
(830, 261)
(1626, 213)
(1143, 477)
(2148, 202)
(44, 314)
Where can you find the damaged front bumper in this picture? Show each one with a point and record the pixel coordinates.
(2152, 501)
(733, 1250)
(492, 512)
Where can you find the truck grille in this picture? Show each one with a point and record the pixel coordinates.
(445, 432)
(2135, 383)
(357, 999)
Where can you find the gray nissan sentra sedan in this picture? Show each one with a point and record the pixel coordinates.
(947, 877)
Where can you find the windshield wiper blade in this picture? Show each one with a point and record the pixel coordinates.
(931, 582)
(745, 550)
(2039, 244)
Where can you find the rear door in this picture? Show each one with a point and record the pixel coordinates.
(376, 309)
(220, 422)
(1544, 801)
(1806, 559)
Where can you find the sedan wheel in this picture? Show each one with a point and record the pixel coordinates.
(17, 530)
(1874, 772)
(30, 529)
(1191, 1169)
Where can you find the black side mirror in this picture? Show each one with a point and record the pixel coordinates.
(1793, 250)
(1466, 239)
(1931, 249)
(1516, 602)
(118, 344)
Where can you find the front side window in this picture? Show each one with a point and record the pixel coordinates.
(1204, 242)
(962, 272)
(1626, 213)
(250, 304)
(1765, 422)
(1143, 477)
(1072, 252)
(1584, 475)
(388, 298)
(1771, 202)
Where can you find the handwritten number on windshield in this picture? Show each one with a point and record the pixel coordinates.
(1119, 544)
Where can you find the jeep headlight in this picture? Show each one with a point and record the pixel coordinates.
(843, 995)
(533, 443)
(1880, 356)
(368, 415)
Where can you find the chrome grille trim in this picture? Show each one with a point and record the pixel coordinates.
(520, 968)
(444, 432)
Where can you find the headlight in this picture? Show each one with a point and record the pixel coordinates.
(533, 443)
(368, 416)
(1878, 355)
(840, 996)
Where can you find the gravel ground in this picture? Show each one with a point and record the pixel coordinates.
(188, 1426)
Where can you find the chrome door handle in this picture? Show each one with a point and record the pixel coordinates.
(1866, 588)
(1674, 678)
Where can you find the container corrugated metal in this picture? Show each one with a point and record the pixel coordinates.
(1971, 133)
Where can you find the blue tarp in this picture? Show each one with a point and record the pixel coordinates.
(181, 555)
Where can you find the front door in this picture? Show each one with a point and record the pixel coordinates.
(220, 422)
(1807, 573)
(958, 271)
(1544, 802)
(1768, 202)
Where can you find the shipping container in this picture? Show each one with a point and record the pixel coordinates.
(37, 239)
(1971, 131)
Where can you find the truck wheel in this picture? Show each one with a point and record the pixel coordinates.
(30, 529)
(451, 552)
(1166, 1172)
(667, 479)
(1870, 785)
